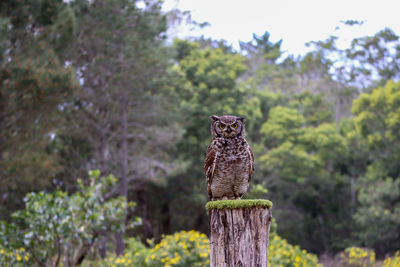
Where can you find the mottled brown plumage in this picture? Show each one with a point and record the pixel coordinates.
(229, 161)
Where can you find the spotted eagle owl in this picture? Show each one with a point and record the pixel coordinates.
(229, 161)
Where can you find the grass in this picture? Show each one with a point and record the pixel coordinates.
(238, 204)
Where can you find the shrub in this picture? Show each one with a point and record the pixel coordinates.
(56, 227)
(192, 249)
(281, 253)
(180, 249)
(121, 261)
(358, 257)
(15, 257)
(393, 261)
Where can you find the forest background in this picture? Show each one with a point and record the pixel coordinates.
(99, 85)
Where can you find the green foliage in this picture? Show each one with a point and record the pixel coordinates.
(35, 83)
(377, 57)
(119, 261)
(325, 141)
(262, 46)
(4, 31)
(379, 203)
(205, 84)
(313, 107)
(307, 154)
(281, 253)
(57, 225)
(378, 123)
(358, 257)
(284, 124)
(377, 117)
(191, 248)
(184, 248)
(74, 74)
(256, 191)
(14, 257)
(212, 69)
(238, 204)
(135, 34)
(180, 249)
(135, 255)
(138, 252)
(392, 261)
(64, 29)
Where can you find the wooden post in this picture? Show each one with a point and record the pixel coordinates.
(239, 232)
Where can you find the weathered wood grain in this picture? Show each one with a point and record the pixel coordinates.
(239, 237)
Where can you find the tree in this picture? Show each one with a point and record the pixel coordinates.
(121, 107)
(205, 85)
(301, 165)
(35, 83)
(377, 121)
(374, 59)
(265, 65)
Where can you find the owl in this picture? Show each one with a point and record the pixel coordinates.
(229, 161)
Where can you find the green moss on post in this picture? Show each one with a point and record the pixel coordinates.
(238, 204)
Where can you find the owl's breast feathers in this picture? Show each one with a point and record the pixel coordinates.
(223, 150)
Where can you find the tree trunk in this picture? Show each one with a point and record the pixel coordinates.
(123, 179)
(142, 205)
(2, 146)
(102, 166)
(103, 247)
(239, 236)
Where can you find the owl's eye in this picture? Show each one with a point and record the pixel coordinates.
(222, 126)
(234, 125)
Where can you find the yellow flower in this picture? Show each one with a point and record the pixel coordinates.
(204, 255)
(175, 260)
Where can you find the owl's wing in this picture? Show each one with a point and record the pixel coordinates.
(251, 161)
(209, 167)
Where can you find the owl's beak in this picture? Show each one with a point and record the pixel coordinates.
(228, 129)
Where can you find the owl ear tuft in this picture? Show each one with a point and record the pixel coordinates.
(242, 119)
(214, 118)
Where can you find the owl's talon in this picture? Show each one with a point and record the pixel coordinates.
(237, 196)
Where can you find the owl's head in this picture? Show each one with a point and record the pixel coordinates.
(227, 126)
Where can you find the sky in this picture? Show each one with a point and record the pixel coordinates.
(296, 22)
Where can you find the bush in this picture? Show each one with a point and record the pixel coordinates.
(393, 261)
(180, 249)
(56, 227)
(281, 253)
(15, 257)
(192, 249)
(121, 261)
(358, 257)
